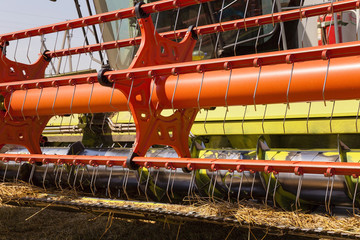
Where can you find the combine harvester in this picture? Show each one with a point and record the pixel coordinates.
(229, 100)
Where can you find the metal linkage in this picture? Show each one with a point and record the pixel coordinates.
(268, 166)
(98, 19)
(256, 21)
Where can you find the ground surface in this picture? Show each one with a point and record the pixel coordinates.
(17, 222)
(21, 223)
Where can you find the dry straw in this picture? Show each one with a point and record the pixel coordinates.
(253, 213)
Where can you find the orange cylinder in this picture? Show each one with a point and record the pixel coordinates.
(61, 100)
(246, 86)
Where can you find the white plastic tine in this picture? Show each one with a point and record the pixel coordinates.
(226, 98)
(53, 105)
(331, 116)
(155, 182)
(257, 39)
(15, 51)
(111, 98)
(172, 185)
(190, 184)
(167, 186)
(90, 111)
(218, 33)
(32, 174)
(206, 116)
(60, 177)
(146, 185)
(37, 105)
(103, 124)
(263, 119)
(81, 178)
(245, 13)
(236, 41)
(44, 176)
(156, 24)
(95, 178)
(151, 93)
(76, 171)
(272, 12)
(303, 33)
(326, 76)
(230, 184)
(252, 186)
(308, 116)
(22, 107)
(210, 183)
(176, 22)
(92, 181)
(18, 172)
(275, 188)
(128, 102)
(27, 51)
(267, 189)
(6, 168)
(256, 86)
(69, 177)
(357, 117)
(297, 202)
(117, 38)
(71, 104)
(135, 34)
(289, 83)
(239, 189)
(330, 194)
(200, 44)
(201, 84)
(284, 120)
(173, 96)
(282, 29)
(8, 109)
(198, 16)
(354, 196)
(56, 175)
(127, 172)
(326, 195)
(139, 181)
(243, 120)
(108, 192)
(102, 40)
(213, 190)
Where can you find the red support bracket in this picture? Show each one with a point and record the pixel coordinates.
(24, 131)
(152, 127)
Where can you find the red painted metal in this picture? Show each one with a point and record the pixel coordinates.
(21, 130)
(275, 166)
(256, 21)
(98, 19)
(151, 127)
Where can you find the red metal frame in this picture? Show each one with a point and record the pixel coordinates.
(98, 19)
(240, 165)
(151, 127)
(327, 8)
(24, 130)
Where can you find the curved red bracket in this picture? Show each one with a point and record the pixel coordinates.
(152, 127)
(24, 131)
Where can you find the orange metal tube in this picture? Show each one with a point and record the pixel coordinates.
(99, 101)
(272, 81)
